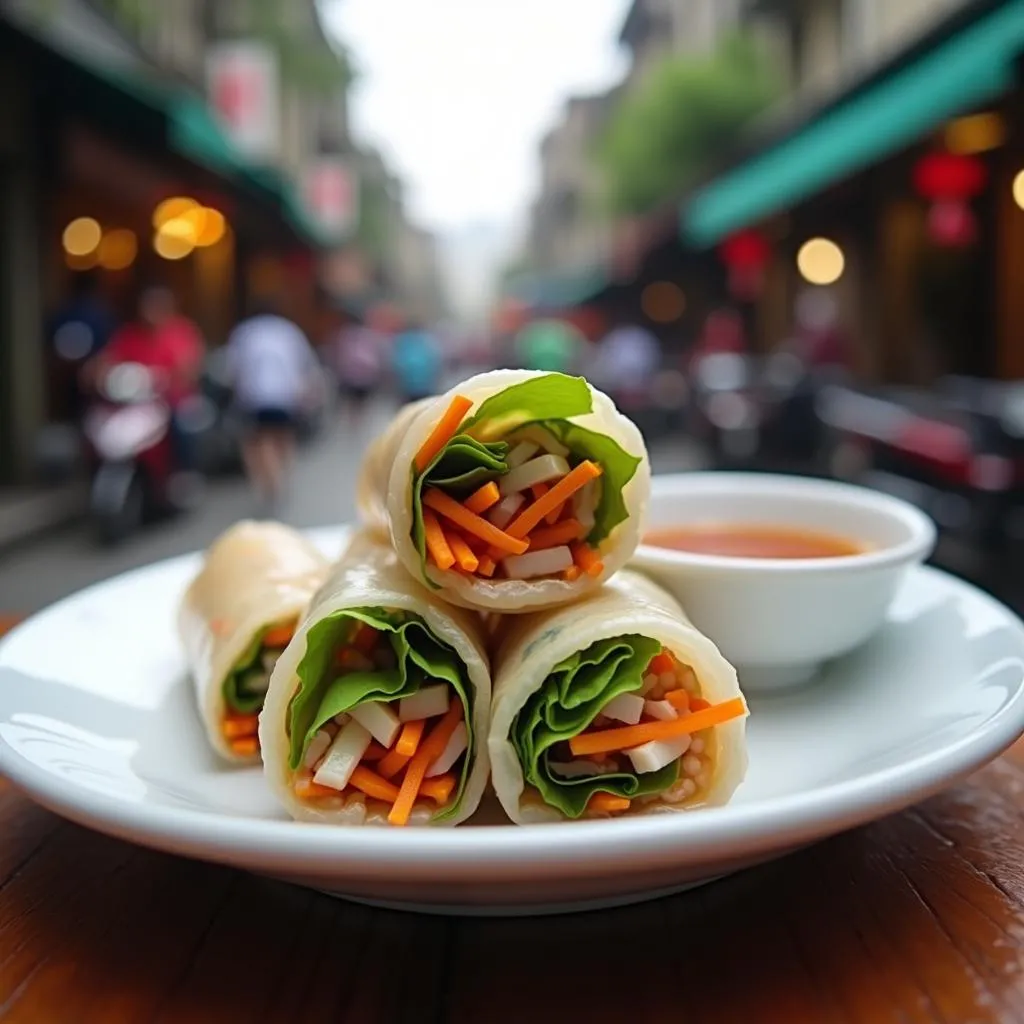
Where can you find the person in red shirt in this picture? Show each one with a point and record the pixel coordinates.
(166, 342)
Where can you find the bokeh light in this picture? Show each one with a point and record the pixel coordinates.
(175, 239)
(820, 261)
(81, 236)
(975, 133)
(663, 302)
(1018, 189)
(173, 209)
(117, 249)
(209, 227)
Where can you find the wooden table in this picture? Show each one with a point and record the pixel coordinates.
(919, 917)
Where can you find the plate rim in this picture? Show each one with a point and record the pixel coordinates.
(549, 851)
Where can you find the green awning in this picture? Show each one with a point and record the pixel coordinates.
(561, 290)
(962, 72)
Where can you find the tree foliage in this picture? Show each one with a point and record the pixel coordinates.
(662, 135)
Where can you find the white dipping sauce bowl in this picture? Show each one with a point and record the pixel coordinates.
(778, 619)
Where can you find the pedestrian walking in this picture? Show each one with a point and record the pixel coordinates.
(357, 352)
(417, 362)
(273, 369)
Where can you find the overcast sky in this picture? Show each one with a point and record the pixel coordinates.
(458, 93)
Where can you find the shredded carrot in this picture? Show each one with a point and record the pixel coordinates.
(437, 543)
(539, 490)
(351, 660)
(551, 536)
(482, 498)
(458, 514)
(555, 514)
(606, 802)
(438, 788)
(444, 430)
(373, 785)
(565, 488)
(661, 663)
(680, 700)
(365, 639)
(238, 726)
(587, 559)
(245, 746)
(374, 752)
(572, 574)
(699, 704)
(279, 636)
(409, 737)
(430, 749)
(392, 763)
(487, 566)
(634, 735)
(464, 557)
(305, 788)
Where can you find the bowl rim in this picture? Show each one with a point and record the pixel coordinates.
(921, 539)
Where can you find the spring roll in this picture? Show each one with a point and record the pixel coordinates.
(377, 712)
(516, 491)
(235, 619)
(615, 705)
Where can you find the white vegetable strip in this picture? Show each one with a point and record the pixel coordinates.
(455, 746)
(502, 513)
(584, 503)
(317, 748)
(342, 756)
(545, 439)
(425, 703)
(627, 707)
(522, 451)
(379, 719)
(538, 563)
(660, 709)
(653, 756)
(536, 471)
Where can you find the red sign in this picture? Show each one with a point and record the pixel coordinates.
(330, 192)
(241, 80)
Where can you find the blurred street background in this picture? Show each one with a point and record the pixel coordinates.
(235, 235)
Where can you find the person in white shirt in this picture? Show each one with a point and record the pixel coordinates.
(272, 367)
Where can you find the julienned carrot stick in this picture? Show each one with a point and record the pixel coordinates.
(279, 636)
(661, 662)
(551, 536)
(245, 746)
(607, 802)
(679, 699)
(487, 566)
(375, 752)
(572, 573)
(437, 543)
(555, 514)
(460, 516)
(607, 740)
(438, 788)
(587, 559)
(373, 785)
(444, 430)
(483, 498)
(409, 737)
(539, 490)
(365, 639)
(464, 557)
(305, 788)
(699, 704)
(239, 726)
(565, 488)
(392, 763)
(430, 749)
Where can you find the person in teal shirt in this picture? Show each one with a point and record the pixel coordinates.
(548, 344)
(417, 362)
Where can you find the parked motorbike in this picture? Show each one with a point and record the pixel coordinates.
(128, 434)
(726, 408)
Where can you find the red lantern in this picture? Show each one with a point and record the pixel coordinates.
(950, 181)
(745, 254)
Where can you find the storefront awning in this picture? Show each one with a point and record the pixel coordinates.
(966, 69)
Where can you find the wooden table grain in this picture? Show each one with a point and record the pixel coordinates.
(915, 918)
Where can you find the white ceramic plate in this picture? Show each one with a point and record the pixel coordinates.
(97, 723)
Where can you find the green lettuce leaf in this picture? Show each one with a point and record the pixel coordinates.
(420, 659)
(238, 701)
(569, 700)
(551, 396)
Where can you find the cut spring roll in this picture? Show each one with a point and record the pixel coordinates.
(515, 491)
(377, 712)
(615, 705)
(236, 618)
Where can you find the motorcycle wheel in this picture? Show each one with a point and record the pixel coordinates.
(116, 520)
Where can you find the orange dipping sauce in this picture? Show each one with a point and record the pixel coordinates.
(746, 540)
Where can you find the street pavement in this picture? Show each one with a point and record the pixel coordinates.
(38, 572)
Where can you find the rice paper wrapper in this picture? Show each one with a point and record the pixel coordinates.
(255, 575)
(529, 647)
(369, 575)
(384, 498)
